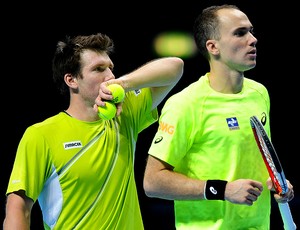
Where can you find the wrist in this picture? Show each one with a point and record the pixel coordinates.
(215, 190)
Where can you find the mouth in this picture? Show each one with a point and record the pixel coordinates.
(253, 51)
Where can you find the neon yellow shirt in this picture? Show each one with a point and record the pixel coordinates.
(205, 134)
(82, 173)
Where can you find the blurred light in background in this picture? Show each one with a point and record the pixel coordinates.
(175, 43)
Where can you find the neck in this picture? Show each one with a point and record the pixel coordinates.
(226, 83)
(88, 115)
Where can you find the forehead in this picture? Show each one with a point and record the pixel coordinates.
(93, 58)
(231, 19)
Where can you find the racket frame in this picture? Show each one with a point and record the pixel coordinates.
(274, 168)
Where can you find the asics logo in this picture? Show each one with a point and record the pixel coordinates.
(264, 118)
(157, 140)
(212, 190)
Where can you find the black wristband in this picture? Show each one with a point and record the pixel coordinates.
(215, 189)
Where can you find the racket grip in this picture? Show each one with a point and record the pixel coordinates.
(286, 215)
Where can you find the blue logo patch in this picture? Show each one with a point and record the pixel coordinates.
(232, 123)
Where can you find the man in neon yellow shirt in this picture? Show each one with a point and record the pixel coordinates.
(204, 151)
(79, 167)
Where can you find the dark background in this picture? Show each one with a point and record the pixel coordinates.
(29, 33)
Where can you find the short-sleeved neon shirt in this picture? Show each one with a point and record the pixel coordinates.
(82, 173)
(205, 134)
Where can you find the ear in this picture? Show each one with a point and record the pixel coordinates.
(71, 81)
(212, 47)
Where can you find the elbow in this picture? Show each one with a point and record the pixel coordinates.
(148, 188)
(179, 67)
(174, 68)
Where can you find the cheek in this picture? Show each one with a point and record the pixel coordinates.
(90, 89)
(234, 52)
(94, 88)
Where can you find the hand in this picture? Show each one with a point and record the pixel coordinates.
(243, 191)
(105, 95)
(281, 198)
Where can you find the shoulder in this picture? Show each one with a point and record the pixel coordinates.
(54, 120)
(192, 94)
(254, 84)
(255, 89)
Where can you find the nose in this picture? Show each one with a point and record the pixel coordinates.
(253, 39)
(109, 75)
(109, 78)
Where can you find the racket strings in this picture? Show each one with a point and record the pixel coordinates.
(277, 178)
(271, 166)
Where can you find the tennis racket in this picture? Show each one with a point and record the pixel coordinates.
(274, 168)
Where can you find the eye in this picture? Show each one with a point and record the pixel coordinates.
(243, 31)
(240, 32)
(99, 69)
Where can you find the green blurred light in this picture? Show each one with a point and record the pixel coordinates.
(175, 43)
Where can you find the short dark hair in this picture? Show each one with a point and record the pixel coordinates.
(67, 55)
(206, 26)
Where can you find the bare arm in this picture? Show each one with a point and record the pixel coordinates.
(161, 75)
(18, 211)
(161, 181)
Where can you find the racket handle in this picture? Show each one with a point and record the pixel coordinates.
(286, 215)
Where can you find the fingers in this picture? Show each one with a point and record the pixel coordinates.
(243, 191)
(253, 194)
(119, 108)
(104, 95)
(270, 184)
(285, 197)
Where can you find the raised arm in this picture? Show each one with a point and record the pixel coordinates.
(161, 75)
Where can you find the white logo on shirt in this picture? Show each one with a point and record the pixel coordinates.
(72, 145)
(16, 181)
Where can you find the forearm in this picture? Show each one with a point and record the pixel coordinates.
(162, 72)
(173, 186)
(160, 75)
(161, 181)
(16, 221)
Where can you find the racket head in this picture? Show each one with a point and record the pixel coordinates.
(269, 155)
